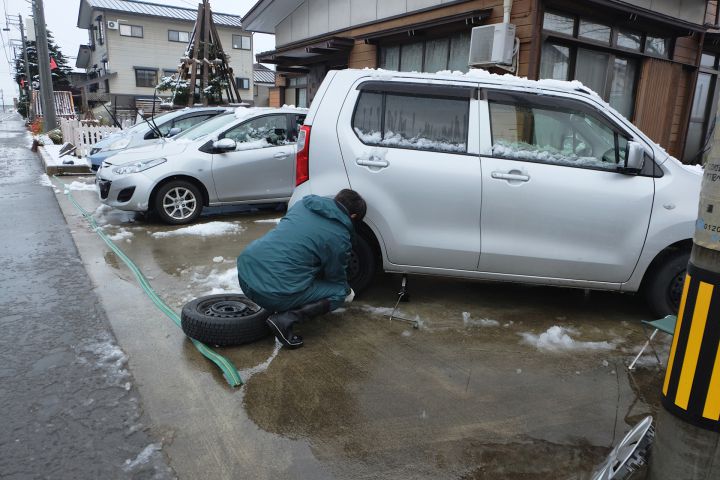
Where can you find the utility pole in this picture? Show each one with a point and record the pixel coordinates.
(687, 439)
(43, 56)
(28, 80)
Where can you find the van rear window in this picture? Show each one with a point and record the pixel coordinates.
(415, 121)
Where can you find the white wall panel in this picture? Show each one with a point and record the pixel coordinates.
(300, 23)
(318, 22)
(363, 11)
(389, 8)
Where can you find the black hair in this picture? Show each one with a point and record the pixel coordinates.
(353, 202)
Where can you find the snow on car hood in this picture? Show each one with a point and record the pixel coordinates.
(161, 149)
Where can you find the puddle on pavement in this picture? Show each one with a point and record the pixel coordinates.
(463, 396)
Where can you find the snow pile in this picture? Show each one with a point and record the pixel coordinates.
(45, 181)
(547, 154)
(76, 186)
(218, 259)
(557, 339)
(122, 234)
(105, 214)
(218, 282)
(142, 458)
(482, 322)
(393, 139)
(202, 229)
(106, 355)
(269, 220)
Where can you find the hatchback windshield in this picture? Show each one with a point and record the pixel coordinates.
(205, 128)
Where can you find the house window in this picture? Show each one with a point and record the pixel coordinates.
(242, 83)
(703, 109)
(145, 77)
(241, 42)
(169, 73)
(433, 55)
(571, 53)
(131, 31)
(177, 36)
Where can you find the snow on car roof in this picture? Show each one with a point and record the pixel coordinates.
(246, 112)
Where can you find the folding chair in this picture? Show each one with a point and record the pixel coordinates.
(665, 324)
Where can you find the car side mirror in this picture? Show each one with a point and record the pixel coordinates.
(173, 131)
(224, 145)
(634, 158)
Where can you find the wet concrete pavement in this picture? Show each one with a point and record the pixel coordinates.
(476, 392)
(69, 408)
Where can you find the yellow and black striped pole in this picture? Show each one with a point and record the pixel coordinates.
(691, 389)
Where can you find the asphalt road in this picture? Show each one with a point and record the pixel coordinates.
(69, 405)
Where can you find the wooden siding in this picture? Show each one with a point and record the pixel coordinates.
(276, 97)
(662, 102)
(363, 55)
(711, 12)
(686, 49)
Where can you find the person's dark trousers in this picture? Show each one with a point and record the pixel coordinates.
(282, 323)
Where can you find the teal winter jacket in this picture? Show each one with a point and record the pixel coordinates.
(311, 242)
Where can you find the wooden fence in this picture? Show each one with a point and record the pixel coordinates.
(84, 134)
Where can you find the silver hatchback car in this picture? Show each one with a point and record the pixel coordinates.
(242, 158)
(500, 178)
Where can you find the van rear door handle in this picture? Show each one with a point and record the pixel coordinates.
(372, 162)
(510, 176)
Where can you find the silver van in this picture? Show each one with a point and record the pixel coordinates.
(500, 178)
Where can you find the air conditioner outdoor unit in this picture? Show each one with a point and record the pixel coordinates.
(112, 25)
(492, 45)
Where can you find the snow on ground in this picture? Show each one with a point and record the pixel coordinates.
(468, 321)
(51, 154)
(76, 186)
(45, 181)
(386, 312)
(557, 339)
(202, 229)
(269, 220)
(105, 215)
(218, 282)
(122, 234)
(218, 259)
(106, 355)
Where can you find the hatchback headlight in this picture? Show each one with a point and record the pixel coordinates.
(134, 167)
(119, 144)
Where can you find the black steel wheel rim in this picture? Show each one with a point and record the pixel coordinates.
(353, 268)
(675, 290)
(227, 308)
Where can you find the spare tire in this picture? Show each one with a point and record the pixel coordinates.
(224, 320)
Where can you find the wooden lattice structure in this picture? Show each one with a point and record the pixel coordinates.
(205, 58)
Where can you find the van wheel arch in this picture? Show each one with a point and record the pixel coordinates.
(366, 257)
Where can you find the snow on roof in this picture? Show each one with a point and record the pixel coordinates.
(157, 10)
(243, 112)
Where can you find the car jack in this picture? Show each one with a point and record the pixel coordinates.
(403, 296)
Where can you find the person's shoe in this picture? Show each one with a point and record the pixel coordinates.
(312, 310)
(281, 325)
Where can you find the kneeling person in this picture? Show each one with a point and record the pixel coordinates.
(298, 270)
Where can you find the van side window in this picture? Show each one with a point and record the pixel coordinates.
(421, 122)
(558, 132)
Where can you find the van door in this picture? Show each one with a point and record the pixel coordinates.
(262, 165)
(407, 151)
(555, 204)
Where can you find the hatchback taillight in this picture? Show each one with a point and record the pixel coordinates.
(302, 159)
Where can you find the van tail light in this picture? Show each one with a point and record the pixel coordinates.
(302, 159)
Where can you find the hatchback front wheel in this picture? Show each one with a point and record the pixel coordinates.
(178, 202)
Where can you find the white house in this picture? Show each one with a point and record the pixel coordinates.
(132, 44)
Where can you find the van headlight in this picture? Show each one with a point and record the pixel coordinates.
(119, 144)
(134, 167)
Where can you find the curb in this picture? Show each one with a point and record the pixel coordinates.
(51, 169)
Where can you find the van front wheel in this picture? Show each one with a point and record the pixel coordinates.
(664, 286)
(361, 266)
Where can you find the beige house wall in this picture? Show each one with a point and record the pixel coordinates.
(154, 50)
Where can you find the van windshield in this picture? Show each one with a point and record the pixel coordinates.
(205, 128)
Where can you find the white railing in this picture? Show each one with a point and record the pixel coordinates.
(84, 134)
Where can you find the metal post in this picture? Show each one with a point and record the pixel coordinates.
(28, 80)
(43, 55)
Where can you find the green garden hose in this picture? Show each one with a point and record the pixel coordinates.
(228, 369)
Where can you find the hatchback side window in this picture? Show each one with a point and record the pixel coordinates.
(559, 132)
(262, 132)
(187, 122)
(421, 122)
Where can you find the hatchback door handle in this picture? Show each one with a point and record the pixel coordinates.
(280, 156)
(372, 162)
(510, 176)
